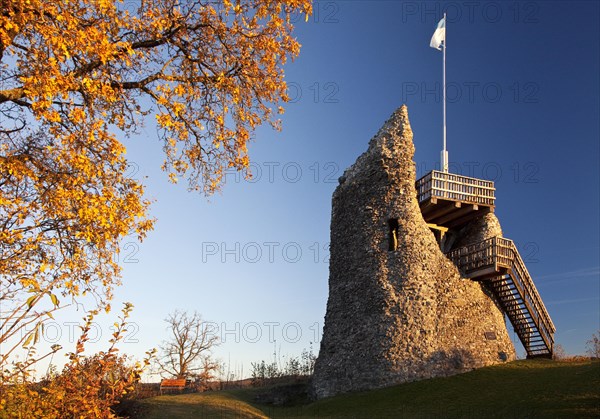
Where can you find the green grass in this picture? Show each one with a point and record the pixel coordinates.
(532, 388)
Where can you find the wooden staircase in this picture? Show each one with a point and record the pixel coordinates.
(498, 262)
(449, 201)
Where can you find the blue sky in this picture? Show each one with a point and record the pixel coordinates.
(523, 88)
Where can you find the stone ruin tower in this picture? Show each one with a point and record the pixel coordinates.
(399, 309)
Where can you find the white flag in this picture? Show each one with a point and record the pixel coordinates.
(439, 35)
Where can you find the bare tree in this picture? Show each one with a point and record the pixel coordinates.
(559, 353)
(593, 345)
(187, 354)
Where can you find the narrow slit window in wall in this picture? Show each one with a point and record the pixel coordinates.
(393, 234)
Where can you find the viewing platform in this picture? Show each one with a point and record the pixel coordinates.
(451, 200)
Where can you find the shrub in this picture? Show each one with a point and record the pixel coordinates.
(87, 386)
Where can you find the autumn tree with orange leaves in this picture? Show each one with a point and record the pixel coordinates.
(73, 73)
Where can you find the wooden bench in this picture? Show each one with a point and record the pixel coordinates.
(172, 385)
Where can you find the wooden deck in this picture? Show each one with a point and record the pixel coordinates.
(485, 259)
(450, 200)
(498, 262)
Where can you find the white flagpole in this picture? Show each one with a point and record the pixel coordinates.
(444, 152)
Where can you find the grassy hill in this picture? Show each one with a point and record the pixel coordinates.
(527, 388)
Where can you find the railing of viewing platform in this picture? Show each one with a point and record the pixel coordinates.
(493, 252)
(454, 187)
